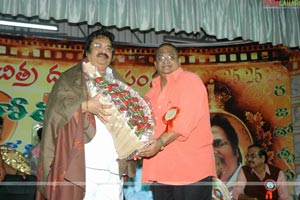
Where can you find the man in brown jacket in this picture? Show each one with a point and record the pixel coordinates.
(258, 179)
(73, 122)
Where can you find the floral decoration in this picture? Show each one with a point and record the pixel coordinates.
(261, 136)
(134, 108)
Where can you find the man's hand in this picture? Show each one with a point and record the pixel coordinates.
(11, 171)
(21, 174)
(156, 145)
(152, 148)
(98, 106)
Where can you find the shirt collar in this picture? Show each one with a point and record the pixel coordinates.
(267, 170)
(172, 76)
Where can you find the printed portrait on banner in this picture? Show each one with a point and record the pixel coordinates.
(250, 102)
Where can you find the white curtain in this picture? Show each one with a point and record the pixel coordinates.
(229, 19)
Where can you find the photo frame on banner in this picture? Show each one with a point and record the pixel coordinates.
(218, 95)
(258, 96)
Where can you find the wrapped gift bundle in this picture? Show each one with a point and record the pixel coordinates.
(15, 159)
(131, 123)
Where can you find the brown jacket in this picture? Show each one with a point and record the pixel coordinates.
(66, 129)
(259, 191)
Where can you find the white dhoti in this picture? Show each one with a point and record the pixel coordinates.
(102, 170)
(103, 185)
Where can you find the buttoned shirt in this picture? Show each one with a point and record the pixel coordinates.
(190, 157)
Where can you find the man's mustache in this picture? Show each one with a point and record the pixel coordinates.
(222, 159)
(103, 54)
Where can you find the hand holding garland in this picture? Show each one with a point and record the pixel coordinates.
(128, 117)
(156, 145)
(99, 108)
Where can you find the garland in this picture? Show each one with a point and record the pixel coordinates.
(131, 124)
(135, 110)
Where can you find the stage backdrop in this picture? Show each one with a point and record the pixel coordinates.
(250, 84)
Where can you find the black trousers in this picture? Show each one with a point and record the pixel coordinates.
(201, 190)
(14, 187)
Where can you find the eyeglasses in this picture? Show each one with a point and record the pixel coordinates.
(218, 143)
(101, 46)
(162, 58)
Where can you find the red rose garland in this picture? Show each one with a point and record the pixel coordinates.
(135, 109)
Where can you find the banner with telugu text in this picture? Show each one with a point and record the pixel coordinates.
(250, 85)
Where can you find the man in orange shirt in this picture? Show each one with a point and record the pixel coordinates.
(179, 162)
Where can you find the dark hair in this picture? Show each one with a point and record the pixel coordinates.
(165, 44)
(261, 152)
(218, 120)
(96, 34)
(39, 133)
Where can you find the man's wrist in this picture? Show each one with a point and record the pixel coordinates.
(161, 143)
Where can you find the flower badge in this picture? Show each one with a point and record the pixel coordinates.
(270, 186)
(169, 117)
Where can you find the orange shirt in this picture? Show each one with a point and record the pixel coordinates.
(190, 157)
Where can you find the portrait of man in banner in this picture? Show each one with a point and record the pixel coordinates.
(231, 136)
(252, 102)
